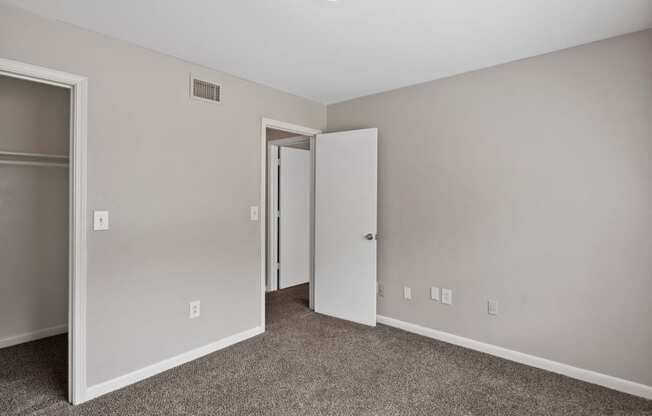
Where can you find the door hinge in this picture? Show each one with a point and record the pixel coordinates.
(278, 266)
(277, 213)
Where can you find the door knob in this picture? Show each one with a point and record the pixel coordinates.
(369, 236)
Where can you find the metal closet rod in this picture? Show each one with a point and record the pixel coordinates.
(33, 159)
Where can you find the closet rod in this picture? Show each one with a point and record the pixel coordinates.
(23, 154)
(33, 159)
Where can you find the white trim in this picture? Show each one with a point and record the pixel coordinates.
(33, 336)
(291, 128)
(273, 147)
(588, 376)
(313, 164)
(151, 370)
(78, 86)
(272, 226)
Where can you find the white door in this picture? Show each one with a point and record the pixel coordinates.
(294, 191)
(345, 225)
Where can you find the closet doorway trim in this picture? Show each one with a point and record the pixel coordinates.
(78, 86)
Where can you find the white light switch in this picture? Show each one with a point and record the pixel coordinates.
(253, 213)
(434, 293)
(447, 296)
(492, 307)
(100, 220)
(407, 292)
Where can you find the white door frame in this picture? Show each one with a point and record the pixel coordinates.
(273, 146)
(78, 87)
(290, 128)
(293, 194)
(272, 226)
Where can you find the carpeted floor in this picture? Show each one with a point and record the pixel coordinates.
(308, 364)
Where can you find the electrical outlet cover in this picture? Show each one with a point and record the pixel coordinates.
(195, 309)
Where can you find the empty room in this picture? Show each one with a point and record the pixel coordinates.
(326, 207)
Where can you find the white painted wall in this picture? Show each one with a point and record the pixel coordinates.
(529, 183)
(178, 177)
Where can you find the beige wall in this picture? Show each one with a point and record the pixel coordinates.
(33, 209)
(178, 177)
(529, 183)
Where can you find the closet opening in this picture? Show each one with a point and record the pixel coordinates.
(42, 263)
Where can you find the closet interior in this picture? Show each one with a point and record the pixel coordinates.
(34, 232)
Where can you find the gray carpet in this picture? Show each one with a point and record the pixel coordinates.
(307, 364)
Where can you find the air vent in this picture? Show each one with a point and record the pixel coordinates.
(204, 90)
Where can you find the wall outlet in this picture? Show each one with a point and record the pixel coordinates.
(195, 309)
(492, 307)
(407, 293)
(435, 293)
(447, 296)
(380, 290)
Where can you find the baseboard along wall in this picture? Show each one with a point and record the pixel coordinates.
(167, 364)
(33, 336)
(588, 376)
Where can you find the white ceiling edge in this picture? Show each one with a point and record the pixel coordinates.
(331, 52)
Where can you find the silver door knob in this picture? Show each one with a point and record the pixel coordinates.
(369, 236)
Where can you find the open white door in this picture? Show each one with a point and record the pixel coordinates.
(345, 225)
(294, 192)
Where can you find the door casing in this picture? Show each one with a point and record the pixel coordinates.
(299, 131)
(78, 86)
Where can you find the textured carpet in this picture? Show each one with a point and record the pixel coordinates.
(308, 364)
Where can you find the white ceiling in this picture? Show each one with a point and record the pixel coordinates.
(332, 51)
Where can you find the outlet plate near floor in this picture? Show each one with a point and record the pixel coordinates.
(195, 309)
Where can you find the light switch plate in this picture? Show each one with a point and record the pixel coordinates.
(435, 293)
(447, 296)
(407, 293)
(253, 213)
(100, 220)
(492, 307)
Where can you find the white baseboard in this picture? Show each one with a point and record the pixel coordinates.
(589, 376)
(33, 336)
(151, 370)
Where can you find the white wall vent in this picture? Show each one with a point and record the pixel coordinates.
(204, 90)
